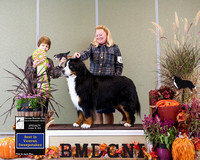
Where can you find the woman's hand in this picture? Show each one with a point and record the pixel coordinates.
(62, 61)
(77, 55)
(36, 63)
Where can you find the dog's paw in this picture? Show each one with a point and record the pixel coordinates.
(122, 122)
(85, 126)
(76, 125)
(127, 125)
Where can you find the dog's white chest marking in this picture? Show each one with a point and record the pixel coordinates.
(72, 92)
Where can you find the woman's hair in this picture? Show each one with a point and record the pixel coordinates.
(109, 38)
(45, 40)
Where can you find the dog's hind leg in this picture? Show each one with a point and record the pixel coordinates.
(123, 121)
(128, 118)
(81, 119)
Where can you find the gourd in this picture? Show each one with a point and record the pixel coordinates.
(7, 148)
(183, 149)
(167, 103)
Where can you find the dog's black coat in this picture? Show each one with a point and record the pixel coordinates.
(60, 55)
(99, 92)
(180, 84)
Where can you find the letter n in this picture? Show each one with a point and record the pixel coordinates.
(127, 150)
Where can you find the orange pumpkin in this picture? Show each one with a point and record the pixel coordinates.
(7, 148)
(167, 103)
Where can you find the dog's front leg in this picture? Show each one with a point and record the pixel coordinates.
(88, 121)
(81, 119)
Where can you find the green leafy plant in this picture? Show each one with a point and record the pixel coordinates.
(159, 132)
(34, 102)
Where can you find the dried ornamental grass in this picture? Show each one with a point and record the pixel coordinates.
(181, 54)
(183, 149)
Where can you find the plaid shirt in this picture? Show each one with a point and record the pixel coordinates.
(104, 60)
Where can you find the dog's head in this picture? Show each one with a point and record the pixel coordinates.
(74, 67)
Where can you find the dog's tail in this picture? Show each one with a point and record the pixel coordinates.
(137, 105)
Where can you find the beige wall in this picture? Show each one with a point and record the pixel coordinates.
(70, 25)
(129, 21)
(17, 42)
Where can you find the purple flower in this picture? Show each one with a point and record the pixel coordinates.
(158, 131)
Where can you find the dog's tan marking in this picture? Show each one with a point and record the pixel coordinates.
(81, 118)
(128, 120)
(74, 73)
(88, 121)
(122, 112)
(79, 101)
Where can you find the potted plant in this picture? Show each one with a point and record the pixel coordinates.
(161, 134)
(181, 55)
(163, 92)
(29, 101)
(157, 131)
(156, 95)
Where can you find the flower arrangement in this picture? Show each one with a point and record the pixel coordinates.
(162, 93)
(182, 54)
(159, 132)
(196, 142)
(189, 118)
(50, 153)
(152, 155)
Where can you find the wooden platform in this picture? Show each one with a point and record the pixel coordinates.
(97, 134)
(96, 127)
(116, 133)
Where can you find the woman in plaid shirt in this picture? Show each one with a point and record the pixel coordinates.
(105, 60)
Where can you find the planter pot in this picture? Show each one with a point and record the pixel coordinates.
(168, 112)
(163, 152)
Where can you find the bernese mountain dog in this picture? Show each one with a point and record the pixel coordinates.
(90, 93)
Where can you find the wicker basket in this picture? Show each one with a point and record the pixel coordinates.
(30, 113)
